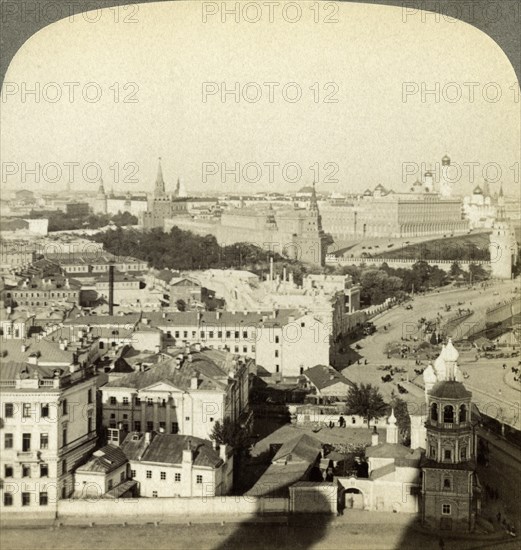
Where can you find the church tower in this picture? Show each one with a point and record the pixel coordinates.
(503, 246)
(449, 482)
(100, 202)
(446, 178)
(159, 189)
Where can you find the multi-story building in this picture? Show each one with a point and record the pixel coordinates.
(48, 411)
(45, 291)
(296, 233)
(185, 394)
(284, 342)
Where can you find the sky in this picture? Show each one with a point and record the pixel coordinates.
(364, 116)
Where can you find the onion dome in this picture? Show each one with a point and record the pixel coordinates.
(449, 352)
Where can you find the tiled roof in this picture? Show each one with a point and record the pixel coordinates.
(277, 479)
(168, 449)
(450, 389)
(49, 283)
(302, 448)
(49, 352)
(211, 375)
(105, 460)
(323, 376)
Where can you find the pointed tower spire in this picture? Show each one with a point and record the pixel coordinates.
(101, 188)
(313, 203)
(159, 190)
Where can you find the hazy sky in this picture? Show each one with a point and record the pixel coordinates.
(370, 133)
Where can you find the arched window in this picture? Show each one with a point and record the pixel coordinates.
(446, 483)
(462, 413)
(434, 412)
(448, 414)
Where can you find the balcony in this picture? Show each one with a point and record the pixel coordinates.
(28, 456)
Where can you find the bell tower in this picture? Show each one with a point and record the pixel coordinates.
(449, 499)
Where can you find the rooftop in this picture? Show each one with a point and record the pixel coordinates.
(105, 460)
(322, 376)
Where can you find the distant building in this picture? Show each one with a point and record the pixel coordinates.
(45, 291)
(327, 383)
(504, 248)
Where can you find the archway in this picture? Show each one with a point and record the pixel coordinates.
(353, 499)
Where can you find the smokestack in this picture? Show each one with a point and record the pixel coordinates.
(271, 268)
(111, 289)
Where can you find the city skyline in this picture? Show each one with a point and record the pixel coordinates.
(171, 105)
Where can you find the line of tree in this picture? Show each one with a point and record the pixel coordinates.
(61, 221)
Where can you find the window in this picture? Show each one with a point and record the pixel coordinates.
(44, 499)
(64, 467)
(219, 334)
(163, 476)
(228, 334)
(26, 410)
(8, 471)
(177, 477)
(137, 426)
(125, 401)
(210, 334)
(445, 509)
(277, 368)
(154, 494)
(8, 441)
(26, 442)
(89, 396)
(113, 400)
(434, 412)
(447, 454)
(236, 334)
(199, 479)
(187, 418)
(448, 414)
(433, 452)
(150, 426)
(277, 339)
(446, 484)
(162, 427)
(26, 470)
(26, 499)
(132, 474)
(245, 349)
(150, 401)
(276, 353)
(64, 406)
(112, 415)
(175, 427)
(8, 499)
(236, 349)
(149, 474)
(462, 414)
(122, 477)
(44, 441)
(44, 470)
(89, 424)
(302, 324)
(9, 410)
(110, 484)
(176, 334)
(463, 453)
(138, 401)
(64, 436)
(45, 410)
(245, 334)
(202, 333)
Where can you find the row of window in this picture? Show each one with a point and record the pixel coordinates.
(27, 408)
(448, 413)
(26, 470)
(43, 499)
(212, 334)
(162, 476)
(174, 429)
(447, 453)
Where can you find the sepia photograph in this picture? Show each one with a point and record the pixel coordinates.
(260, 276)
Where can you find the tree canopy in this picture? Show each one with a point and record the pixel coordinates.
(365, 400)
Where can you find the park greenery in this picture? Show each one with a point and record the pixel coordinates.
(61, 221)
(183, 250)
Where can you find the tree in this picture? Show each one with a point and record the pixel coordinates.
(403, 420)
(181, 305)
(365, 400)
(455, 270)
(231, 434)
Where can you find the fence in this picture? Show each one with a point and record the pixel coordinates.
(245, 506)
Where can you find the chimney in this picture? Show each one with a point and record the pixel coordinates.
(284, 274)
(148, 437)
(271, 268)
(223, 453)
(218, 314)
(374, 437)
(194, 382)
(23, 348)
(111, 289)
(188, 454)
(197, 346)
